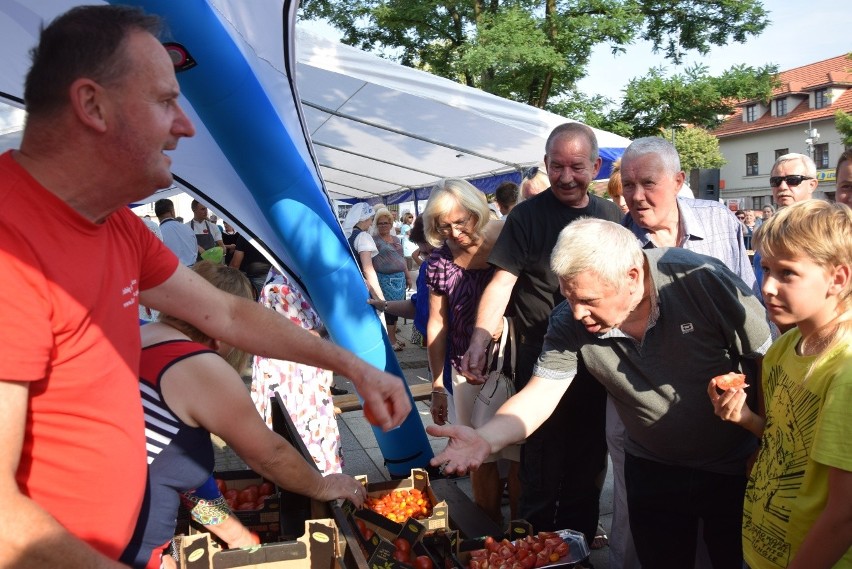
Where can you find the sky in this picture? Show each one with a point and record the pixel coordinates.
(799, 33)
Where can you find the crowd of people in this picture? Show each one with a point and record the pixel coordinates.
(657, 304)
(622, 313)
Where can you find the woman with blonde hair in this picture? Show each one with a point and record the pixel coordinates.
(392, 272)
(456, 221)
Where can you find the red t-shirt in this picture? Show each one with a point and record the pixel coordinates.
(69, 325)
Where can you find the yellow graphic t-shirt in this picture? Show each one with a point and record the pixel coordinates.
(808, 430)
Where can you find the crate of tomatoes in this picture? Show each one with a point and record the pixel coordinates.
(254, 500)
(390, 503)
(564, 548)
(388, 550)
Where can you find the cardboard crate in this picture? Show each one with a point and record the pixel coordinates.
(266, 521)
(418, 479)
(379, 549)
(317, 548)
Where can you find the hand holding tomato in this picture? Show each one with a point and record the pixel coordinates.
(730, 404)
(386, 399)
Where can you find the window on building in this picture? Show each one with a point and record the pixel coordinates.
(751, 164)
(781, 152)
(759, 201)
(821, 156)
(781, 107)
(751, 113)
(821, 99)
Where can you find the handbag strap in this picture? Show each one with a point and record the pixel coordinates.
(508, 329)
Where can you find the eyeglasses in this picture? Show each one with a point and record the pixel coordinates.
(457, 225)
(792, 181)
(741, 216)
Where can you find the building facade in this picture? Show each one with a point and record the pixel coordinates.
(799, 118)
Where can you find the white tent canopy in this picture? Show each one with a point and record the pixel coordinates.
(379, 128)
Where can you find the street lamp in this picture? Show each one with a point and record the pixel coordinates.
(811, 140)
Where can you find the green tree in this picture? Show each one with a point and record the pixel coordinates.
(843, 122)
(697, 149)
(532, 50)
(655, 103)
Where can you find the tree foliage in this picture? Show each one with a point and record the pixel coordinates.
(654, 103)
(697, 149)
(843, 123)
(531, 50)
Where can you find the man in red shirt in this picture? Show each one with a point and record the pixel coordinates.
(103, 113)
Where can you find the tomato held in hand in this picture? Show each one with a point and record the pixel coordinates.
(730, 381)
(370, 416)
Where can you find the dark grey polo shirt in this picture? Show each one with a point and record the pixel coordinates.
(705, 320)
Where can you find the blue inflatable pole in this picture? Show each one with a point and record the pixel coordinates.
(230, 100)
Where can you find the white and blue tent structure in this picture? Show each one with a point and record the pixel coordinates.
(288, 122)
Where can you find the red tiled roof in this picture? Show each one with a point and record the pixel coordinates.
(800, 80)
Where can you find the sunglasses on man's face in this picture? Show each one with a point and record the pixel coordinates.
(792, 181)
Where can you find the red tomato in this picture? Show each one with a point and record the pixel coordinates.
(231, 504)
(368, 414)
(246, 506)
(248, 494)
(231, 495)
(267, 488)
(401, 556)
(362, 527)
(221, 485)
(730, 381)
(528, 562)
(402, 544)
(368, 534)
(423, 562)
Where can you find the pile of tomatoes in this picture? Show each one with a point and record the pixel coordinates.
(532, 551)
(252, 497)
(402, 549)
(399, 505)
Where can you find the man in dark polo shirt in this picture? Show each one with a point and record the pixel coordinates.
(560, 482)
(653, 327)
